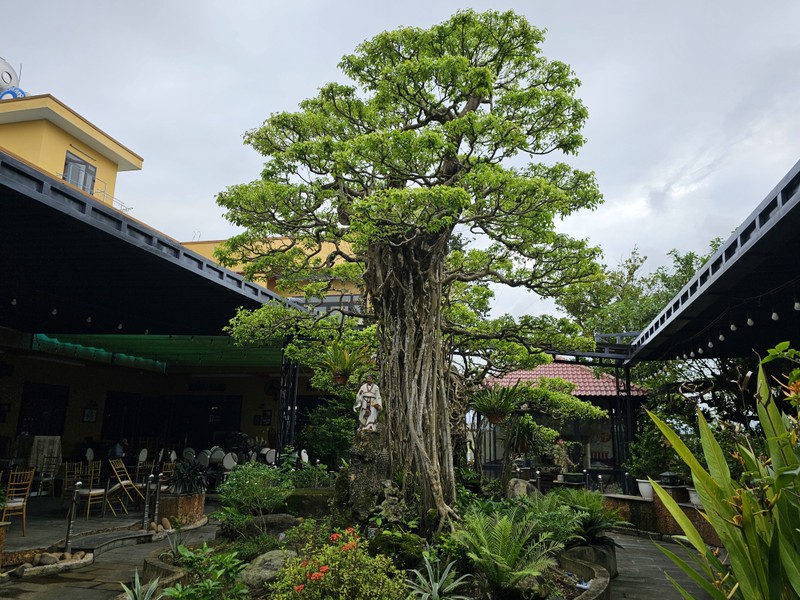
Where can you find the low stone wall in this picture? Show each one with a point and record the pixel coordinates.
(595, 575)
(653, 516)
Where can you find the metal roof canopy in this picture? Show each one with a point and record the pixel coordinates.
(754, 275)
(71, 264)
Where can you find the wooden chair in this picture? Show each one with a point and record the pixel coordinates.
(143, 470)
(73, 471)
(90, 493)
(17, 492)
(47, 475)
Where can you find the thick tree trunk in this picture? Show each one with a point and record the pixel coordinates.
(403, 284)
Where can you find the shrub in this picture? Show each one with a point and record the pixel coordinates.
(251, 490)
(249, 548)
(341, 569)
(212, 576)
(504, 548)
(594, 517)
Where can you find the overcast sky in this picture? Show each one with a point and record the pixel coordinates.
(694, 107)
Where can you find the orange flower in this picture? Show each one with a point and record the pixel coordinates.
(316, 576)
(350, 531)
(334, 537)
(348, 546)
(324, 569)
(299, 588)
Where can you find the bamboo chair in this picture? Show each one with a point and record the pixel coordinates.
(47, 475)
(17, 492)
(123, 478)
(90, 493)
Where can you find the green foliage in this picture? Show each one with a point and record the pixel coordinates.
(329, 433)
(366, 185)
(499, 401)
(138, 592)
(190, 477)
(504, 548)
(305, 475)
(756, 520)
(650, 454)
(435, 583)
(341, 360)
(309, 535)
(252, 489)
(594, 517)
(340, 569)
(249, 548)
(404, 548)
(212, 576)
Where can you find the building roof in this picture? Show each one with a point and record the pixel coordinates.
(588, 385)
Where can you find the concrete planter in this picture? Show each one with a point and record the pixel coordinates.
(597, 577)
(645, 488)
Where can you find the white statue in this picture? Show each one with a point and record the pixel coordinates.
(368, 404)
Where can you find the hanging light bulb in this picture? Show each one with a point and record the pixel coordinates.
(796, 305)
(54, 312)
(774, 315)
(700, 350)
(733, 326)
(14, 302)
(89, 319)
(691, 353)
(685, 356)
(750, 321)
(710, 344)
(119, 326)
(721, 337)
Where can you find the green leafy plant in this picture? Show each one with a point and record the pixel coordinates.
(342, 361)
(190, 477)
(498, 402)
(139, 592)
(435, 583)
(756, 520)
(594, 517)
(504, 548)
(251, 490)
(649, 453)
(340, 569)
(212, 576)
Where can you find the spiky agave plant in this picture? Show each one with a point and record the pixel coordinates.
(139, 592)
(435, 583)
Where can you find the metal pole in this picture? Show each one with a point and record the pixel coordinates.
(586, 478)
(600, 483)
(71, 522)
(148, 484)
(158, 495)
(539, 480)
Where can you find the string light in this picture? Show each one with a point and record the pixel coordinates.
(119, 326)
(710, 344)
(89, 319)
(14, 303)
(54, 312)
(721, 337)
(750, 321)
(700, 350)
(774, 315)
(691, 353)
(733, 326)
(796, 305)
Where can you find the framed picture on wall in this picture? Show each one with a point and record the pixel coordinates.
(89, 415)
(266, 417)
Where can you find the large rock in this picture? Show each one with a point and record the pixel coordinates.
(273, 524)
(521, 487)
(264, 568)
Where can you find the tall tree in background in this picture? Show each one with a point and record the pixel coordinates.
(414, 180)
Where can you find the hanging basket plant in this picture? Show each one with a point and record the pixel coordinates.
(496, 403)
(342, 361)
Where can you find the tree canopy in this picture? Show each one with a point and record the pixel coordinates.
(420, 183)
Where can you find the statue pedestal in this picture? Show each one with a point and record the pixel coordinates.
(369, 467)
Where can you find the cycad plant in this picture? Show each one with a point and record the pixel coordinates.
(757, 521)
(504, 547)
(342, 361)
(498, 402)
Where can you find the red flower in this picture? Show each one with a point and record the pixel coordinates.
(334, 537)
(316, 576)
(324, 569)
(304, 563)
(350, 531)
(299, 588)
(348, 546)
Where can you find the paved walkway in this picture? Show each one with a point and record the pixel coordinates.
(642, 566)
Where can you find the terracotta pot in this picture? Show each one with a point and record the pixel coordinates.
(495, 419)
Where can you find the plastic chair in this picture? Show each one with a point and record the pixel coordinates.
(47, 474)
(17, 492)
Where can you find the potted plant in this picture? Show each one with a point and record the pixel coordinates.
(649, 455)
(185, 498)
(496, 403)
(342, 361)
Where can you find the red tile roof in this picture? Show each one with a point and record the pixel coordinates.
(583, 376)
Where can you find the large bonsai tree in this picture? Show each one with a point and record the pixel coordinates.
(413, 182)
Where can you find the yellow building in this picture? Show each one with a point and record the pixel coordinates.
(44, 132)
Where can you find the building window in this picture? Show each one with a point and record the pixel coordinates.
(79, 173)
